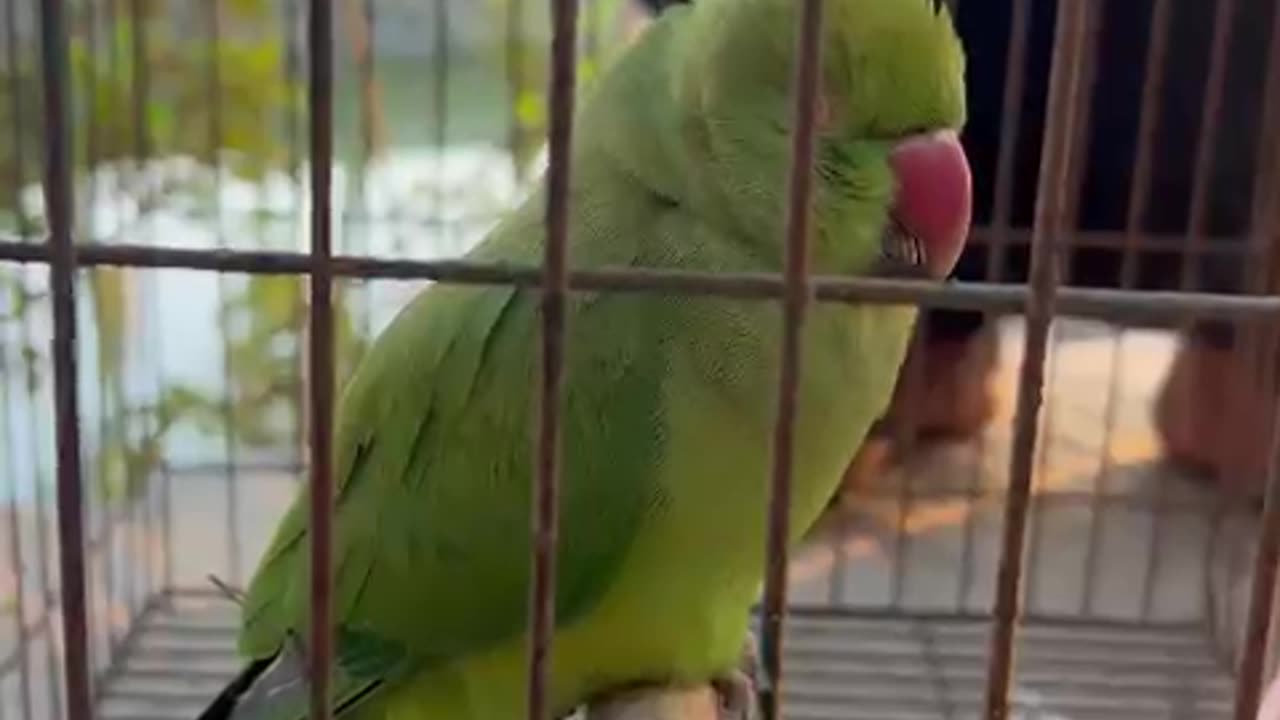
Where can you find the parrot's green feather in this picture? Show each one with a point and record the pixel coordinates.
(679, 162)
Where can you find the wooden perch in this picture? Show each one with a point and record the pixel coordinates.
(734, 699)
(696, 703)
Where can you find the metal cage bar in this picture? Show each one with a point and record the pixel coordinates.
(1139, 199)
(1010, 124)
(1128, 306)
(1266, 229)
(1140, 188)
(1051, 206)
(795, 302)
(321, 351)
(216, 132)
(1205, 143)
(62, 258)
(555, 289)
(22, 629)
(794, 288)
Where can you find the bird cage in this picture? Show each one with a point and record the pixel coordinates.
(1069, 509)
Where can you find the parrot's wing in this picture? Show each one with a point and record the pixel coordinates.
(435, 457)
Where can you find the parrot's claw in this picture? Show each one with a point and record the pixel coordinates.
(737, 691)
(737, 694)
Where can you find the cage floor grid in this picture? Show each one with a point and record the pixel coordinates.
(838, 668)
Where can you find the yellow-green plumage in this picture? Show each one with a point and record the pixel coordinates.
(679, 162)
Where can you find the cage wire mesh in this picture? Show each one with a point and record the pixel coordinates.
(189, 131)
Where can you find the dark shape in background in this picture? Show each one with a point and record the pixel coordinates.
(985, 28)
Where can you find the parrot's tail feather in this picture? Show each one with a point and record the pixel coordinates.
(223, 705)
(233, 594)
(276, 688)
(357, 698)
(271, 688)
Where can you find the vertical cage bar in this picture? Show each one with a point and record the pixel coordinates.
(1102, 479)
(290, 71)
(1038, 494)
(1218, 513)
(22, 631)
(140, 91)
(44, 575)
(1051, 204)
(1081, 128)
(513, 48)
(998, 246)
(58, 202)
(129, 516)
(440, 96)
(795, 301)
(1144, 157)
(1265, 244)
(92, 131)
(320, 105)
(144, 536)
(366, 67)
(591, 36)
(1265, 226)
(973, 497)
(363, 31)
(1257, 636)
(102, 538)
(167, 569)
(18, 108)
(1206, 142)
(1010, 125)
(140, 80)
(216, 135)
(911, 380)
(1139, 200)
(1266, 175)
(555, 288)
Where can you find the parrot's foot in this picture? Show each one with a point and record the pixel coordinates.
(738, 691)
(737, 695)
(731, 696)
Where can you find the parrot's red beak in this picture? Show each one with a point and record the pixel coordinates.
(933, 202)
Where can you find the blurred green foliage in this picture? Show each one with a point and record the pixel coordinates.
(168, 106)
(527, 53)
(264, 316)
(267, 321)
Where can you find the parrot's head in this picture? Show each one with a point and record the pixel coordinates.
(892, 182)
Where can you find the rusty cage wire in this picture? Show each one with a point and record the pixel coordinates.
(162, 647)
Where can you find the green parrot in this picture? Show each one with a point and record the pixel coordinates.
(679, 161)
